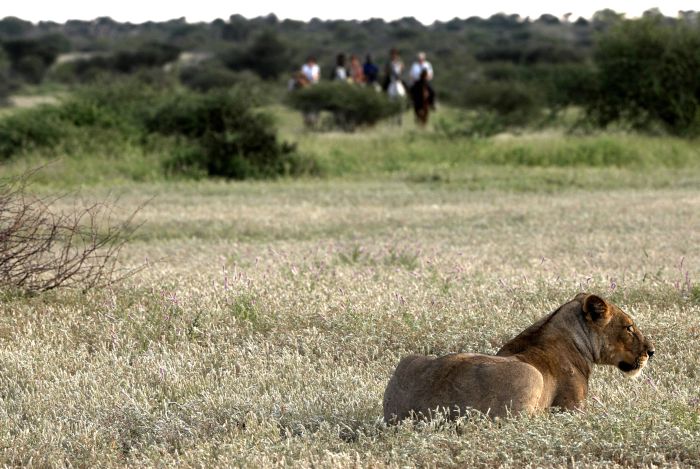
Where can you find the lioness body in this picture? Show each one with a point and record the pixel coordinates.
(547, 365)
(462, 380)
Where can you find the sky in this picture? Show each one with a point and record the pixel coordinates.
(426, 11)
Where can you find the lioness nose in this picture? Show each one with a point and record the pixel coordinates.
(650, 353)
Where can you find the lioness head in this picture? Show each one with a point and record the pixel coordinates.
(620, 341)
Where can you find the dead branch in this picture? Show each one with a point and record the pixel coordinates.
(42, 248)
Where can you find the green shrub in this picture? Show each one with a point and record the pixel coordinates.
(515, 103)
(30, 129)
(648, 73)
(472, 124)
(217, 133)
(225, 137)
(212, 76)
(31, 58)
(351, 106)
(125, 104)
(147, 56)
(561, 85)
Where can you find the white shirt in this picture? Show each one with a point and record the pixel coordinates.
(311, 72)
(417, 68)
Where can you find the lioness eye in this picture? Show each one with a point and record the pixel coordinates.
(630, 328)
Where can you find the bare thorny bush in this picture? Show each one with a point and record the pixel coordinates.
(42, 248)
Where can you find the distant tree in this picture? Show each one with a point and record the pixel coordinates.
(30, 58)
(151, 54)
(652, 13)
(547, 19)
(689, 16)
(12, 27)
(501, 20)
(237, 29)
(267, 56)
(604, 19)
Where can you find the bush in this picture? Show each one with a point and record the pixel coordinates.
(648, 73)
(211, 76)
(30, 58)
(217, 133)
(151, 54)
(515, 103)
(558, 86)
(30, 129)
(224, 137)
(351, 106)
(564, 85)
(122, 107)
(147, 56)
(478, 124)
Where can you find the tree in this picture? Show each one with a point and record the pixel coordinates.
(30, 58)
(268, 56)
(648, 74)
(12, 27)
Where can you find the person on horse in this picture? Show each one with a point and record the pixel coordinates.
(311, 70)
(423, 98)
(393, 80)
(357, 74)
(340, 73)
(371, 72)
(420, 65)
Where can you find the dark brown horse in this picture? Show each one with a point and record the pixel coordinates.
(423, 98)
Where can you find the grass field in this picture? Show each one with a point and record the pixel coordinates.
(270, 315)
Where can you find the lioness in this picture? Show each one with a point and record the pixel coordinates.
(546, 365)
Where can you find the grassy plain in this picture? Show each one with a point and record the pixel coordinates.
(271, 314)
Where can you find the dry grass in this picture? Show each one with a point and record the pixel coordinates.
(272, 314)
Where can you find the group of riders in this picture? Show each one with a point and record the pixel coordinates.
(392, 82)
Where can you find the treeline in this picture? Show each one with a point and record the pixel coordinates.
(271, 47)
(513, 70)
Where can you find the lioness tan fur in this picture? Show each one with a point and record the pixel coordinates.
(546, 365)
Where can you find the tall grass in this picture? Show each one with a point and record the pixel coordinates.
(271, 316)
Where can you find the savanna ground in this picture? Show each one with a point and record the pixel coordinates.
(270, 315)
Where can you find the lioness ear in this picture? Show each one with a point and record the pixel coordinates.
(580, 297)
(596, 309)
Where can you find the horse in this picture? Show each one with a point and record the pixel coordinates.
(423, 98)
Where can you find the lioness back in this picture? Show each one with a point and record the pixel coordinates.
(460, 381)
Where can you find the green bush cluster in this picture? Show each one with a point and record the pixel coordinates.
(29, 130)
(350, 106)
(30, 58)
(219, 133)
(149, 55)
(224, 136)
(95, 114)
(210, 76)
(648, 73)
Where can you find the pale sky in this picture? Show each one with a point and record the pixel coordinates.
(426, 11)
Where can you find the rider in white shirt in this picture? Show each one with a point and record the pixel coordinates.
(311, 70)
(418, 66)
